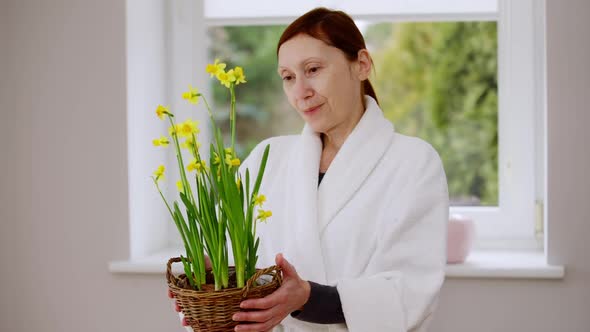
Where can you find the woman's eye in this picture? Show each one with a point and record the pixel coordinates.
(313, 69)
(287, 78)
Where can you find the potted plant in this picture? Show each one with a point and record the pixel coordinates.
(217, 203)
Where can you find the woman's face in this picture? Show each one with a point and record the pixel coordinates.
(321, 84)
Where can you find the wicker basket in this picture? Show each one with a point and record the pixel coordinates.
(212, 311)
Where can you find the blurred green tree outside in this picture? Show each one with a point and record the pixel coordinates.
(436, 81)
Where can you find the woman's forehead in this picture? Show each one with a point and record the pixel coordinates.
(301, 49)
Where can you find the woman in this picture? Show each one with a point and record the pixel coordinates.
(359, 210)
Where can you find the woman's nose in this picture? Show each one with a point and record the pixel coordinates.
(302, 89)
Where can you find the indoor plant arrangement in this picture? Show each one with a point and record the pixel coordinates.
(217, 203)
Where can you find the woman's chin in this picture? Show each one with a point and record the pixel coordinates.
(317, 127)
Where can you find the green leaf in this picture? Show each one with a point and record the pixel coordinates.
(261, 168)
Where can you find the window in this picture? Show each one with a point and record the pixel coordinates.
(487, 125)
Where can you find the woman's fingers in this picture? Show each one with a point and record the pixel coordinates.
(184, 323)
(256, 315)
(267, 302)
(266, 326)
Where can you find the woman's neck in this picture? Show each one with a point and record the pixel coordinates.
(333, 139)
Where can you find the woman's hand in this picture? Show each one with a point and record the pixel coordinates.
(272, 309)
(180, 314)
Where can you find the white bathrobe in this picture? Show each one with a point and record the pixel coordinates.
(375, 227)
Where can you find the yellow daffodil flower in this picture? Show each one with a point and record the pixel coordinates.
(162, 141)
(198, 166)
(179, 186)
(216, 159)
(263, 215)
(161, 111)
(159, 173)
(192, 165)
(215, 68)
(259, 200)
(188, 128)
(239, 75)
(172, 130)
(189, 143)
(232, 161)
(226, 78)
(192, 95)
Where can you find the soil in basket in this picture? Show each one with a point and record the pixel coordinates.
(210, 282)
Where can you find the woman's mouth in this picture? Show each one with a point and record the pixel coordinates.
(312, 110)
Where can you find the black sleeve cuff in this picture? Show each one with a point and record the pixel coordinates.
(323, 306)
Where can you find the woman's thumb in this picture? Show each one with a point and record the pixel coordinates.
(288, 269)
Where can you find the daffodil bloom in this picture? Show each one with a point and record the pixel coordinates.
(216, 159)
(259, 200)
(239, 75)
(162, 141)
(228, 151)
(190, 143)
(179, 186)
(232, 161)
(198, 166)
(215, 68)
(159, 173)
(161, 111)
(192, 95)
(188, 128)
(172, 130)
(192, 165)
(263, 215)
(226, 78)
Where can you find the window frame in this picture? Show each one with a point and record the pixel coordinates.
(521, 106)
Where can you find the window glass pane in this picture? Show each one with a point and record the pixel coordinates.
(437, 81)
(261, 108)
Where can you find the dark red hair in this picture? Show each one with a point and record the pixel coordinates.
(334, 28)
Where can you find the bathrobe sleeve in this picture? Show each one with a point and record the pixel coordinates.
(400, 286)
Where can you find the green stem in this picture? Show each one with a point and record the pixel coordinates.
(185, 184)
(232, 119)
(178, 223)
(163, 198)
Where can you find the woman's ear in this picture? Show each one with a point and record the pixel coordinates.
(364, 64)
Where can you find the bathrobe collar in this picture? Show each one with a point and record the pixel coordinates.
(317, 207)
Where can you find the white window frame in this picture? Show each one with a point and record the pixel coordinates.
(521, 113)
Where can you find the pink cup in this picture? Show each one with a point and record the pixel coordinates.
(461, 232)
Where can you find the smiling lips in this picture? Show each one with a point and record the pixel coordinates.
(312, 110)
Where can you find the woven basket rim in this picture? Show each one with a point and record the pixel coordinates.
(274, 271)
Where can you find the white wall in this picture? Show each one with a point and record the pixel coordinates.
(7, 171)
(66, 213)
(68, 75)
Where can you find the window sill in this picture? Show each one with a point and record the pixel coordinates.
(520, 264)
(479, 264)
